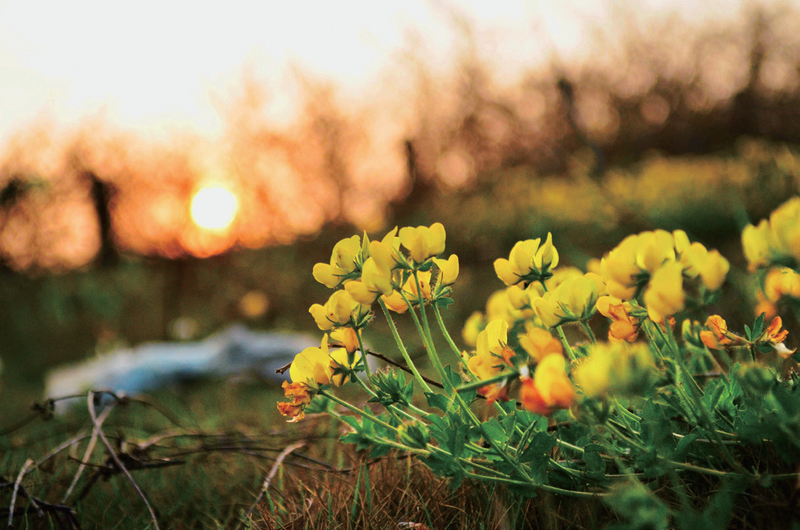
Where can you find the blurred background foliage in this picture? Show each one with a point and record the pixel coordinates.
(665, 126)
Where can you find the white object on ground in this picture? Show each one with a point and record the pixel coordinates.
(155, 365)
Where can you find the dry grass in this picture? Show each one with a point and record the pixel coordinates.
(401, 493)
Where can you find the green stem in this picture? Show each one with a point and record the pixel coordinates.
(401, 346)
(695, 394)
(543, 487)
(588, 330)
(678, 465)
(483, 382)
(359, 411)
(567, 347)
(363, 352)
(625, 412)
(428, 338)
(446, 334)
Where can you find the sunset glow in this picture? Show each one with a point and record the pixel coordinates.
(214, 208)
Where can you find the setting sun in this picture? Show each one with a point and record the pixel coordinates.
(214, 207)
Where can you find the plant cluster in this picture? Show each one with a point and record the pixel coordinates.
(665, 397)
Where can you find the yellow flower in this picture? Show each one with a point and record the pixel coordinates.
(780, 282)
(521, 300)
(619, 269)
(345, 259)
(448, 270)
(539, 343)
(298, 392)
(395, 302)
(474, 325)
(493, 341)
(491, 357)
(347, 337)
(714, 269)
(546, 257)
(312, 366)
(499, 306)
(386, 252)
(337, 311)
(424, 283)
(624, 326)
(639, 257)
(755, 241)
(784, 224)
(550, 389)
(716, 336)
(573, 300)
(294, 410)
(664, 295)
(773, 333)
(339, 359)
(682, 242)
(376, 280)
(423, 242)
(617, 369)
(653, 249)
(527, 261)
(765, 306)
(519, 263)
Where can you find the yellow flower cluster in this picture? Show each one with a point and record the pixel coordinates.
(363, 271)
(774, 241)
(717, 337)
(528, 262)
(491, 357)
(657, 262)
(619, 369)
(314, 367)
(574, 299)
(550, 388)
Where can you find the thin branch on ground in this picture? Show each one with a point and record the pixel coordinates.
(117, 461)
(286, 452)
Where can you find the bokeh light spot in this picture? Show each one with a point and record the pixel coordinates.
(214, 207)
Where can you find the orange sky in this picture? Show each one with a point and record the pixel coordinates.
(169, 73)
(162, 67)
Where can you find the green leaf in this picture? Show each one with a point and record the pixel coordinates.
(443, 302)
(764, 347)
(509, 423)
(438, 401)
(747, 332)
(352, 422)
(379, 450)
(453, 376)
(536, 455)
(683, 447)
(758, 326)
(595, 465)
(639, 506)
(492, 430)
(657, 431)
(510, 407)
(713, 392)
(718, 510)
